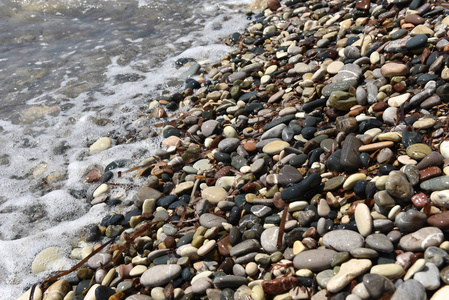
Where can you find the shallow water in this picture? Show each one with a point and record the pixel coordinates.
(72, 71)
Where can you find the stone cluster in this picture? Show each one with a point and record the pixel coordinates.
(312, 164)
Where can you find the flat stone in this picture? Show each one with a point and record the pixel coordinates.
(378, 285)
(275, 147)
(183, 187)
(230, 281)
(410, 290)
(421, 239)
(437, 256)
(45, 259)
(376, 146)
(398, 186)
(245, 247)
(391, 271)
(315, 260)
(348, 271)
(417, 41)
(352, 180)
(429, 277)
(436, 184)
(379, 242)
(440, 220)
(228, 145)
(334, 67)
(100, 145)
(343, 240)
(214, 194)
(432, 159)
(288, 175)
(350, 154)
(363, 219)
(208, 127)
(210, 220)
(268, 240)
(160, 275)
(393, 69)
(424, 123)
(441, 294)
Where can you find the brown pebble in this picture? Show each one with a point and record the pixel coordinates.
(278, 202)
(414, 19)
(250, 146)
(224, 246)
(420, 200)
(363, 4)
(158, 113)
(94, 175)
(169, 242)
(380, 106)
(279, 285)
(118, 296)
(429, 173)
(440, 220)
(123, 270)
(225, 171)
(273, 4)
(376, 146)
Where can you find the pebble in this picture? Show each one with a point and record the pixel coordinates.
(410, 289)
(160, 275)
(348, 271)
(422, 239)
(315, 260)
(343, 240)
(429, 277)
(363, 219)
(214, 194)
(100, 145)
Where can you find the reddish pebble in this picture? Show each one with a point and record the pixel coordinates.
(380, 106)
(430, 172)
(224, 246)
(94, 175)
(279, 285)
(399, 87)
(440, 220)
(363, 4)
(250, 146)
(414, 19)
(169, 242)
(123, 270)
(273, 4)
(420, 200)
(158, 113)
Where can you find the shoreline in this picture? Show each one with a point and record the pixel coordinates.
(287, 152)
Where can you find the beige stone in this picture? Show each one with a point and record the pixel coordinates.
(348, 271)
(422, 29)
(100, 145)
(214, 194)
(393, 69)
(363, 219)
(391, 271)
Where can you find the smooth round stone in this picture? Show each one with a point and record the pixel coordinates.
(160, 275)
(398, 100)
(437, 256)
(268, 240)
(440, 220)
(182, 188)
(379, 242)
(398, 34)
(208, 127)
(433, 159)
(228, 145)
(210, 220)
(334, 67)
(201, 285)
(328, 145)
(207, 247)
(429, 277)
(98, 260)
(100, 145)
(410, 221)
(377, 285)
(384, 200)
(390, 115)
(391, 271)
(424, 123)
(348, 271)
(444, 149)
(245, 247)
(352, 180)
(398, 186)
(412, 174)
(334, 183)
(230, 281)
(275, 147)
(410, 290)
(393, 69)
(214, 194)
(441, 294)
(341, 100)
(315, 260)
(364, 253)
(363, 219)
(45, 259)
(436, 184)
(257, 165)
(343, 240)
(421, 239)
(417, 41)
(261, 210)
(418, 151)
(289, 174)
(323, 277)
(202, 165)
(137, 270)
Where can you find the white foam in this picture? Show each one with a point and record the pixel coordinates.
(31, 145)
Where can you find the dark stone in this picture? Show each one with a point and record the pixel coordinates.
(103, 292)
(410, 138)
(350, 155)
(303, 189)
(222, 157)
(281, 120)
(333, 162)
(166, 201)
(116, 164)
(111, 220)
(310, 106)
(359, 188)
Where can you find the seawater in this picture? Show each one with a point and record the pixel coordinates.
(72, 71)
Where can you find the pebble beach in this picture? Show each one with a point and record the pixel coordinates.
(309, 162)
